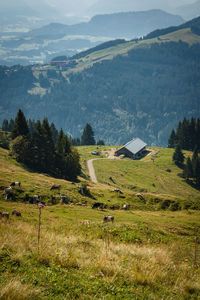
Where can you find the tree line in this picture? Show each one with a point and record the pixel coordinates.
(41, 147)
(187, 137)
(87, 137)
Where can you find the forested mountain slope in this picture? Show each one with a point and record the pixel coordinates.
(140, 88)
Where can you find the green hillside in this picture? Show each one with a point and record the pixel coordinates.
(153, 177)
(144, 254)
(185, 35)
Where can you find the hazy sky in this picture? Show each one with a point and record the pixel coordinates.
(77, 10)
(84, 7)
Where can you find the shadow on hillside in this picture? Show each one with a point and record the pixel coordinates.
(193, 184)
(32, 170)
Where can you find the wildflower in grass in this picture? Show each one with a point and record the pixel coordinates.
(186, 259)
(40, 206)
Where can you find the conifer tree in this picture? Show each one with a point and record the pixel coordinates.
(63, 145)
(195, 155)
(20, 126)
(188, 170)
(178, 156)
(196, 170)
(54, 132)
(67, 145)
(197, 135)
(11, 125)
(192, 134)
(49, 147)
(88, 136)
(60, 142)
(31, 126)
(172, 140)
(38, 147)
(20, 148)
(5, 125)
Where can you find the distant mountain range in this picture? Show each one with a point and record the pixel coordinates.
(189, 11)
(42, 44)
(141, 88)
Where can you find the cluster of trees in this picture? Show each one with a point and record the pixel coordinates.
(8, 125)
(192, 168)
(42, 148)
(87, 137)
(187, 135)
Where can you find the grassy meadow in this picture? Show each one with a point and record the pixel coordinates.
(154, 175)
(149, 252)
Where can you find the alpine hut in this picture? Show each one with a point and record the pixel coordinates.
(134, 149)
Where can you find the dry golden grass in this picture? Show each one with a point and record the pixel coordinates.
(141, 265)
(15, 290)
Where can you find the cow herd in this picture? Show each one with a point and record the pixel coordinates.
(6, 215)
(35, 200)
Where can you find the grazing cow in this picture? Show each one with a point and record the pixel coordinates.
(64, 199)
(140, 196)
(5, 215)
(108, 219)
(9, 193)
(118, 191)
(126, 207)
(36, 199)
(15, 183)
(8, 190)
(98, 205)
(16, 213)
(55, 187)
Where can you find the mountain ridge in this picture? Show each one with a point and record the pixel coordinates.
(42, 44)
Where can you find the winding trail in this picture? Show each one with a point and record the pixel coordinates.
(91, 170)
(111, 155)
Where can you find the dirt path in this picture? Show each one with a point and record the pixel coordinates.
(91, 170)
(111, 155)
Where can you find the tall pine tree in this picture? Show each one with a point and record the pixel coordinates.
(49, 147)
(178, 156)
(188, 170)
(88, 136)
(20, 126)
(172, 140)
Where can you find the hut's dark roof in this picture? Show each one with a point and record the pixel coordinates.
(135, 145)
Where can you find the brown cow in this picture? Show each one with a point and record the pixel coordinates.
(55, 187)
(5, 215)
(108, 219)
(16, 213)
